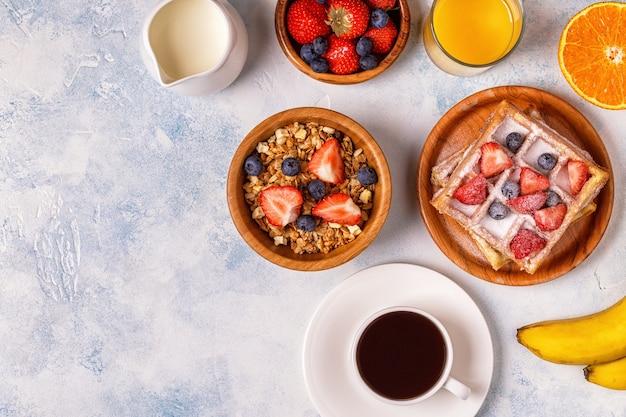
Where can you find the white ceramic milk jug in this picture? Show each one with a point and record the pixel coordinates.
(194, 47)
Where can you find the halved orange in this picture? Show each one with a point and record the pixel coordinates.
(592, 54)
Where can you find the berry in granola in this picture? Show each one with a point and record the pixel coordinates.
(367, 176)
(280, 204)
(306, 223)
(253, 165)
(338, 208)
(290, 167)
(317, 189)
(327, 162)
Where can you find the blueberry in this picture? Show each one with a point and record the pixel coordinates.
(305, 222)
(552, 198)
(317, 189)
(546, 161)
(338, 135)
(320, 45)
(510, 189)
(498, 210)
(319, 65)
(253, 165)
(378, 18)
(321, 1)
(368, 62)
(364, 46)
(514, 141)
(290, 167)
(307, 53)
(367, 176)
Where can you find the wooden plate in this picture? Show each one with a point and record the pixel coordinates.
(462, 124)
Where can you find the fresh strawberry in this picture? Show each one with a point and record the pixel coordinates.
(577, 171)
(526, 243)
(338, 208)
(493, 159)
(306, 20)
(531, 181)
(381, 4)
(383, 38)
(348, 18)
(341, 55)
(327, 162)
(528, 204)
(472, 192)
(550, 218)
(281, 204)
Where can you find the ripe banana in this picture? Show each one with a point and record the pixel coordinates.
(609, 375)
(586, 340)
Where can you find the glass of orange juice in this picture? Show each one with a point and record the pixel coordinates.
(467, 37)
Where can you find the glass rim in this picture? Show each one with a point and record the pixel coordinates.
(466, 64)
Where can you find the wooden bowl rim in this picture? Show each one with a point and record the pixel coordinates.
(284, 40)
(259, 240)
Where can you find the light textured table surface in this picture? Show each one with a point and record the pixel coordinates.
(125, 289)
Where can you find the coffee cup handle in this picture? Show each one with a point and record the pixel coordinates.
(457, 388)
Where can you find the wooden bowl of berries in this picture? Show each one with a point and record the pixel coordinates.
(342, 41)
(308, 189)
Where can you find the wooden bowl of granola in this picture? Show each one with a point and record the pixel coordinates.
(398, 16)
(324, 213)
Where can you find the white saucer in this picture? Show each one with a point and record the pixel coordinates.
(330, 378)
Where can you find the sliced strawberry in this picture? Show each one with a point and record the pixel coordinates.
(472, 192)
(528, 204)
(531, 181)
(338, 208)
(526, 243)
(550, 218)
(577, 171)
(327, 162)
(281, 204)
(493, 159)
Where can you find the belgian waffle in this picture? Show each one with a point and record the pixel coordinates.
(499, 240)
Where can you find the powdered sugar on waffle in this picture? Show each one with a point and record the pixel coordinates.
(494, 236)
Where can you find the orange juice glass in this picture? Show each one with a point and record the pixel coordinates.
(467, 37)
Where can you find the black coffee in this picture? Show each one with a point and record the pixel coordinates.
(401, 355)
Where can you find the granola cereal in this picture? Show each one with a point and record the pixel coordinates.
(300, 141)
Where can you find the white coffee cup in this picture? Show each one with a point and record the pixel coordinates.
(403, 355)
